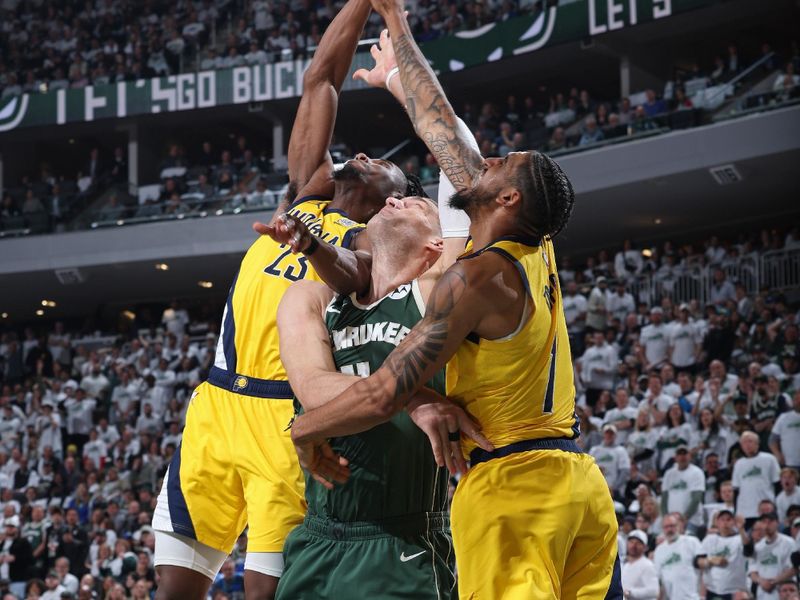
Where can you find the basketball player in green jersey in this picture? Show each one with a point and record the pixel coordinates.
(386, 528)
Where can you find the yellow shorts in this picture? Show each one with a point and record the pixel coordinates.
(535, 524)
(236, 466)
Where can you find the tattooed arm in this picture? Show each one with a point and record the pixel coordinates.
(458, 305)
(428, 108)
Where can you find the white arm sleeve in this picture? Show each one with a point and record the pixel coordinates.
(455, 223)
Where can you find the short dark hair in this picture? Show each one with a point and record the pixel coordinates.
(414, 186)
(547, 196)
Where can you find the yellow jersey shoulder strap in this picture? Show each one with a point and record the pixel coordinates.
(513, 248)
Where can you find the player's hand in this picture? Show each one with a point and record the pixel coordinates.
(324, 465)
(438, 418)
(385, 61)
(288, 230)
(386, 7)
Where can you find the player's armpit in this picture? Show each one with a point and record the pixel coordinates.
(305, 345)
(453, 311)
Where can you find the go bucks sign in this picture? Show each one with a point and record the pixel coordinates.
(566, 21)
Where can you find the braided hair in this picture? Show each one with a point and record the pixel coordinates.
(414, 186)
(547, 196)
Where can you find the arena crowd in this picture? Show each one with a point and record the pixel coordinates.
(690, 410)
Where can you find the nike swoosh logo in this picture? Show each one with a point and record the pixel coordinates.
(404, 558)
(330, 309)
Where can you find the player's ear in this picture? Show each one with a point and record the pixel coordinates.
(435, 246)
(509, 196)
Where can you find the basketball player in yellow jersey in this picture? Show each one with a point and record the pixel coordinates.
(533, 518)
(236, 466)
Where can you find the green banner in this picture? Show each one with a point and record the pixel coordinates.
(572, 20)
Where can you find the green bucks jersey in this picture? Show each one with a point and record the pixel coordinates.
(392, 469)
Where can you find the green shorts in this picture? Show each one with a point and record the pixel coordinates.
(405, 557)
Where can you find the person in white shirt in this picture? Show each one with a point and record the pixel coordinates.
(754, 477)
(682, 489)
(54, 587)
(685, 344)
(639, 577)
(628, 262)
(790, 494)
(623, 416)
(655, 339)
(574, 305)
(175, 319)
(49, 428)
(68, 580)
(772, 565)
(95, 449)
(620, 303)
(726, 496)
(596, 310)
(674, 560)
(108, 433)
(598, 367)
(655, 400)
(721, 290)
(642, 442)
(79, 417)
(613, 461)
(96, 384)
(721, 558)
(173, 436)
(148, 422)
(784, 439)
(729, 382)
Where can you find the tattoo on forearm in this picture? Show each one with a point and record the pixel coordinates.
(433, 117)
(425, 344)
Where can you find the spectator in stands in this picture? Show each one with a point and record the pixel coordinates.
(16, 555)
(674, 560)
(680, 101)
(613, 461)
(639, 576)
(641, 122)
(112, 210)
(119, 166)
(32, 204)
(755, 477)
(732, 63)
(784, 439)
(596, 309)
(558, 140)
(721, 557)
(789, 496)
(785, 82)
(653, 106)
(598, 365)
(772, 565)
(591, 132)
(683, 487)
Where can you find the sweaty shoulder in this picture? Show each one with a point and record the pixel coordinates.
(494, 276)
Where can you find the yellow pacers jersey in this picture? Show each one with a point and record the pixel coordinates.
(520, 387)
(248, 342)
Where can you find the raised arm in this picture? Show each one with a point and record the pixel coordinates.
(310, 164)
(428, 108)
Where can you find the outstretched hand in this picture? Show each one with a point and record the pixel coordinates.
(385, 61)
(287, 229)
(438, 418)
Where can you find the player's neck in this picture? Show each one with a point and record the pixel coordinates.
(485, 229)
(387, 277)
(350, 200)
